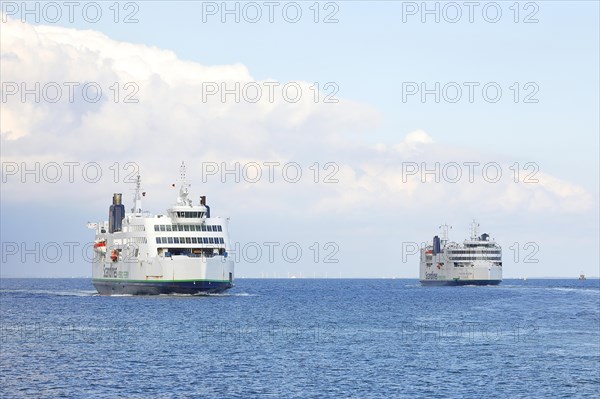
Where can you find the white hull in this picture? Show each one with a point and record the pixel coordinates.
(176, 274)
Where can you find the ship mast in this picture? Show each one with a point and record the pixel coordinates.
(183, 199)
(137, 197)
(445, 227)
(474, 230)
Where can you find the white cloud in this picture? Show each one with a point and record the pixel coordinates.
(171, 122)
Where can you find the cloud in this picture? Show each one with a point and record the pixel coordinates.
(173, 121)
(418, 174)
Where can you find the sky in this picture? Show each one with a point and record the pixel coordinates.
(336, 136)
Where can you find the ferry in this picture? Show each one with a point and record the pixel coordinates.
(183, 251)
(477, 261)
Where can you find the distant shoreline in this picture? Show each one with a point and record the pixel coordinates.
(322, 278)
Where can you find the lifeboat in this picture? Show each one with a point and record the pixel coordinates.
(100, 246)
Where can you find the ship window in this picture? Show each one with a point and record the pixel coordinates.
(219, 228)
(205, 240)
(203, 227)
(186, 227)
(195, 214)
(170, 240)
(210, 228)
(201, 214)
(221, 240)
(162, 227)
(180, 227)
(211, 240)
(176, 240)
(158, 240)
(198, 227)
(168, 227)
(188, 240)
(194, 240)
(155, 227)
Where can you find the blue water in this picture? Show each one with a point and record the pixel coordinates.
(303, 339)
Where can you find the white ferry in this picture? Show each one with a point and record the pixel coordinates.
(183, 251)
(477, 261)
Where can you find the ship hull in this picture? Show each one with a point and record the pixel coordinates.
(105, 287)
(440, 283)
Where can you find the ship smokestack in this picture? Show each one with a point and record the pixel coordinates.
(203, 202)
(436, 245)
(116, 214)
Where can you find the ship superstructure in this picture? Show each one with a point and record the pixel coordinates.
(182, 251)
(477, 260)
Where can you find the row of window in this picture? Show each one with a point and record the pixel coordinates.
(473, 252)
(134, 227)
(190, 240)
(189, 214)
(137, 240)
(456, 258)
(462, 265)
(187, 227)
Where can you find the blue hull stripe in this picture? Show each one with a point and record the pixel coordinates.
(459, 282)
(159, 287)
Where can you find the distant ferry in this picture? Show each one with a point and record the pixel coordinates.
(183, 251)
(477, 261)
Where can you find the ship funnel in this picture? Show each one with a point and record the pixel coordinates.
(436, 245)
(116, 214)
(203, 202)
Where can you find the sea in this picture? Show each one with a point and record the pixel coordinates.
(303, 338)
